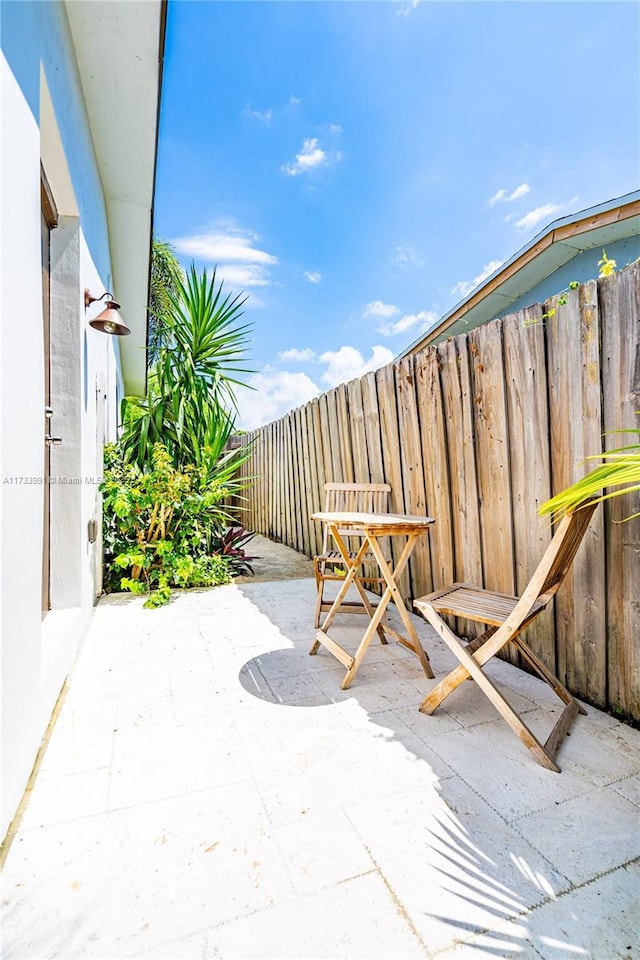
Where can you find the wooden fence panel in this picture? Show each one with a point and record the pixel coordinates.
(619, 313)
(479, 431)
(373, 432)
(436, 468)
(358, 433)
(576, 427)
(528, 418)
(413, 472)
(325, 439)
(344, 433)
(392, 456)
(295, 461)
(316, 474)
(492, 456)
(457, 399)
(338, 471)
(306, 504)
(491, 431)
(372, 428)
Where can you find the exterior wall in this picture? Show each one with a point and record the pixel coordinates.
(583, 267)
(44, 121)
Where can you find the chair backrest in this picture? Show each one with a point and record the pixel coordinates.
(560, 553)
(354, 497)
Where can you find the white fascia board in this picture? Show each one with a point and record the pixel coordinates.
(118, 51)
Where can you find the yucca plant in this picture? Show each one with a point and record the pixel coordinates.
(618, 474)
(190, 403)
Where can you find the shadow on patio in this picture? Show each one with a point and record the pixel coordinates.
(209, 791)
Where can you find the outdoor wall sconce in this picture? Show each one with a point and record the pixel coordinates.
(108, 320)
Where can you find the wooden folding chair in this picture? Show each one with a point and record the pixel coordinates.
(348, 498)
(506, 617)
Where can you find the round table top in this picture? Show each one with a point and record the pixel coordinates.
(378, 521)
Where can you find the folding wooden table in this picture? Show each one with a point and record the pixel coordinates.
(370, 527)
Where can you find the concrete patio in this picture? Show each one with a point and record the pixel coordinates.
(208, 791)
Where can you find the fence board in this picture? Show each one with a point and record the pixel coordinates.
(528, 416)
(337, 470)
(305, 493)
(374, 444)
(457, 401)
(372, 428)
(413, 472)
(358, 432)
(391, 456)
(436, 470)
(325, 439)
(295, 462)
(492, 456)
(576, 427)
(620, 309)
(344, 433)
(316, 484)
(492, 461)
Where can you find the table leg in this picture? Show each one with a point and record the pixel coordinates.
(344, 586)
(390, 578)
(362, 592)
(366, 640)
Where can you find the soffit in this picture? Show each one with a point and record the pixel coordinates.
(118, 46)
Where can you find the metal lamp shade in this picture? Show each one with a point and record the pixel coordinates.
(110, 321)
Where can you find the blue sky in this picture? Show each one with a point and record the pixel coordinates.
(357, 167)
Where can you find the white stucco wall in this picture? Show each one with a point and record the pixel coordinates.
(44, 120)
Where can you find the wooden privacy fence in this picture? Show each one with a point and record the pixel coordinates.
(478, 432)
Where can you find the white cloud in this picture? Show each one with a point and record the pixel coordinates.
(240, 275)
(297, 356)
(534, 217)
(294, 101)
(347, 363)
(264, 116)
(230, 246)
(335, 128)
(503, 197)
(275, 393)
(406, 7)
(423, 320)
(404, 256)
(313, 276)
(379, 309)
(239, 261)
(466, 286)
(310, 157)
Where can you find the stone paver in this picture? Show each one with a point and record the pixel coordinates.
(210, 792)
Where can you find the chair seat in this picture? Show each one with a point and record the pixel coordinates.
(474, 603)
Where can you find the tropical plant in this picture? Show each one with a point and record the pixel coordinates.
(231, 545)
(190, 403)
(619, 474)
(166, 276)
(162, 526)
(170, 474)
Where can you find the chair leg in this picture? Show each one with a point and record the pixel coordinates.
(453, 680)
(319, 588)
(473, 669)
(547, 675)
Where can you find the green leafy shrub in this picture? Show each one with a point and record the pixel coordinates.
(162, 526)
